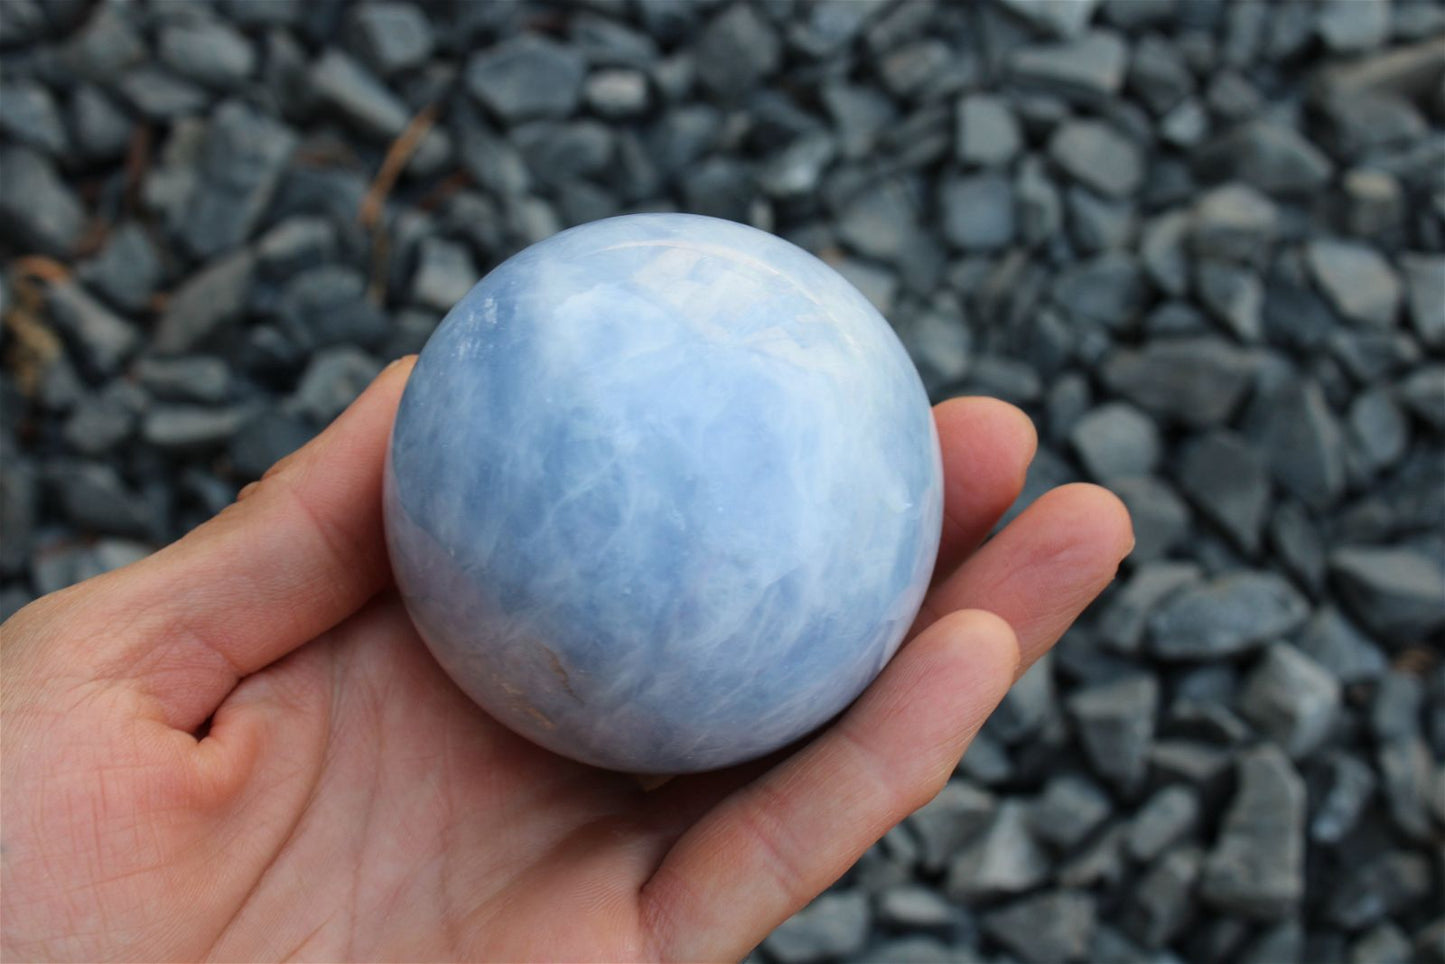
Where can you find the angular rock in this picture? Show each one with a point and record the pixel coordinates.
(1098, 156)
(833, 925)
(332, 380)
(209, 52)
(1116, 441)
(914, 907)
(1349, 787)
(1233, 222)
(127, 270)
(1115, 722)
(389, 36)
(1158, 75)
(327, 305)
(798, 168)
(181, 428)
(1398, 593)
(1349, 27)
(1234, 295)
(1039, 210)
(93, 497)
(616, 93)
(342, 84)
(1356, 279)
(978, 212)
(1062, 18)
(1256, 868)
(736, 51)
(1224, 477)
(1336, 644)
(36, 206)
(1409, 785)
(1291, 699)
(159, 95)
(244, 156)
(205, 303)
(295, 244)
(1375, 203)
(1267, 155)
(1005, 859)
(444, 273)
(1230, 614)
(1162, 250)
(526, 77)
(1088, 68)
(1198, 382)
(100, 338)
(1107, 290)
(195, 378)
(1125, 615)
(101, 129)
(1379, 431)
(265, 440)
(988, 132)
(1047, 928)
(1292, 424)
(1162, 903)
(1425, 282)
(1069, 810)
(1424, 393)
(1165, 819)
(1385, 885)
(959, 812)
(29, 115)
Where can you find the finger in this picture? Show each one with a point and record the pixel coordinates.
(295, 556)
(987, 446)
(768, 849)
(1043, 569)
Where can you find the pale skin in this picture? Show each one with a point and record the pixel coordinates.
(347, 802)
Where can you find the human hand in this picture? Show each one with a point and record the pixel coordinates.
(238, 748)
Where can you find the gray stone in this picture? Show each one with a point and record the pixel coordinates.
(1396, 592)
(1298, 545)
(1425, 281)
(1378, 429)
(1230, 614)
(1225, 478)
(1047, 928)
(833, 925)
(1256, 868)
(1291, 699)
(1396, 707)
(1430, 941)
(1100, 863)
(182, 428)
(1163, 821)
(1186, 126)
(1062, 18)
(1233, 222)
(1069, 810)
(36, 206)
(196, 378)
(342, 84)
(444, 273)
(915, 907)
(560, 153)
(1116, 441)
(244, 155)
(1424, 393)
(1098, 156)
(1233, 294)
(1375, 203)
(28, 113)
(1027, 706)
(916, 949)
(1408, 783)
(988, 132)
(1158, 75)
(1284, 941)
(924, 70)
(389, 36)
(1124, 616)
(526, 77)
(1384, 944)
(978, 212)
(1347, 790)
(105, 44)
(1108, 290)
(1292, 424)
(798, 168)
(327, 305)
(127, 270)
(736, 51)
(1347, 26)
(880, 222)
(1268, 155)
(295, 244)
(100, 338)
(104, 420)
(1089, 67)
(1115, 723)
(1162, 904)
(1162, 250)
(207, 51)
(1336, 644)
(1097, 224)
(93, 497)
(859, 115)
(1196, 763)
(831, 26)
(616, 93)
(1004, 859)
(1356, 280)
(1039, 210)
(101, 129)
(957, 815)
(205, 304)
(266, 439)
(1386, 884)
(333, 378)
(160, 95)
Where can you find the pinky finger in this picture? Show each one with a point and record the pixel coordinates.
(770, 847)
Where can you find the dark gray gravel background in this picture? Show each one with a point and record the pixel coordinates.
(1200, 242)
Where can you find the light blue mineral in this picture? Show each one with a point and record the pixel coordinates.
(663, 493)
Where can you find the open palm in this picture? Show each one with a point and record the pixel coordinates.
(239, 749)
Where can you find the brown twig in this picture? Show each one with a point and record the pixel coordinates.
(397, 155)
(33, 345)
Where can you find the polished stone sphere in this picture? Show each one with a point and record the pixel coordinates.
(663, 493)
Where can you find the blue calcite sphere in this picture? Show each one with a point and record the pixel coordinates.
(663, 493)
